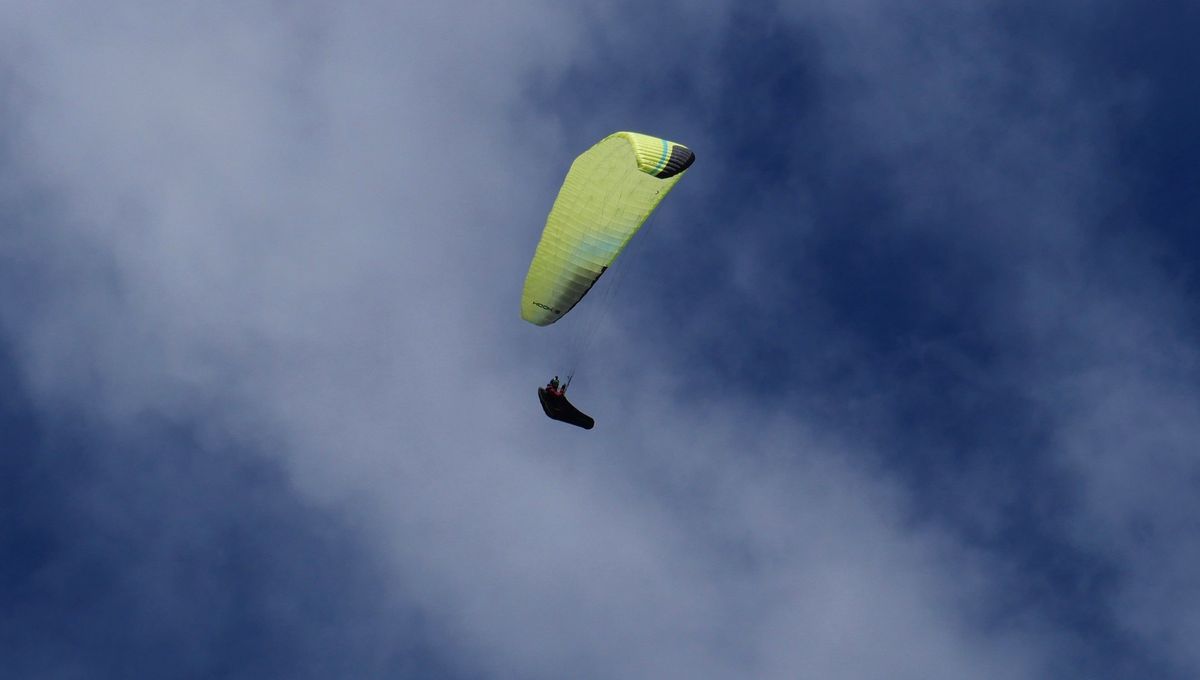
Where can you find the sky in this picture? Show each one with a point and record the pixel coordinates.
(900, 381)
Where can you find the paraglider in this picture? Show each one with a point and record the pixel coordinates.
(555, 404)
(609, 192)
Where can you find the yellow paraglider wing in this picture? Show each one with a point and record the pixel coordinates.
(609, 192)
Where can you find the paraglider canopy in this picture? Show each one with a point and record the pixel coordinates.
(609, 192)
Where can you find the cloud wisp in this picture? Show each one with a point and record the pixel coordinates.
(298, 235)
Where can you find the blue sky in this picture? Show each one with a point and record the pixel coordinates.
(900, 381)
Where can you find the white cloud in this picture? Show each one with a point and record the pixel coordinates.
(319, 218)
(1012, 141)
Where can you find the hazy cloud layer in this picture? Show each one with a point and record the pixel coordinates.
(885, 392)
